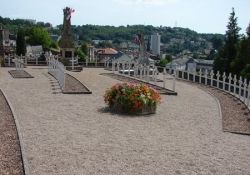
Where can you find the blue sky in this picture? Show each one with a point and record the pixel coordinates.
(204, 16)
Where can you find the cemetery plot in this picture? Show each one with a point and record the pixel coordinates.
(20, 74)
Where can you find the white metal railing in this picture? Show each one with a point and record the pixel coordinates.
(237, 86)
(57, 69)
(147, 73)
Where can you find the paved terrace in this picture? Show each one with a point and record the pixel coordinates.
(72, 134)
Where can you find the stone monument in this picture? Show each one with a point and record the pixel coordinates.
(66, 43)
(143, 58)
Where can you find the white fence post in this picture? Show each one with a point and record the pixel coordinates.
(235, 81)
(245, 88)
(129, 67)
(200, 73)
(212, 78)
(194, 73)
(36, 60)
(206, 73)
(135, 70)
(140, 71)
(148, 72)
(174, 80)
(218, 79)
(240, 84)
(123, 68)
(229, 82)
(164, 77)
(224, 79)
(118, 67)
(248, 94)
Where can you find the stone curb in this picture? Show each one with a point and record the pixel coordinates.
(23, 152)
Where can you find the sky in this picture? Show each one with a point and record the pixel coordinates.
(203, 16)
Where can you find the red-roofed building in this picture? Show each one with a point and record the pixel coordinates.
(105, 53)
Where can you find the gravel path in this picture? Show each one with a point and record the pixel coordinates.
(73, 134)
(10, 154)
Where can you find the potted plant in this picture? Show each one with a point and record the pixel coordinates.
(132, 98)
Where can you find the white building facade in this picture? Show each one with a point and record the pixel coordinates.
(156, 44)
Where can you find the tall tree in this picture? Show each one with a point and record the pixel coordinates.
(20, 43)
(248, 31)
(229, 51)
(39, 36)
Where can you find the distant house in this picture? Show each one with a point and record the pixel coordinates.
(190, 64)
(7, 42)
(178, 64)
(121, 57)
(105, 54)
(34, 50)
(197, 64)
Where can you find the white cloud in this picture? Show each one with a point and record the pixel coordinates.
(144, 2)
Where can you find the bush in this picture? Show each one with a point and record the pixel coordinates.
(132, 98)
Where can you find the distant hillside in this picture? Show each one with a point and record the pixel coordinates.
(175, 40)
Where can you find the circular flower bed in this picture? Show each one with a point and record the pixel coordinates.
(132, 98)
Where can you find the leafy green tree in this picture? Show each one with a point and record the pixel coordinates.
(20, 43)
(248, 31)
(243, 57)
(246, 72)
(80, 54)
(217, 42)
(229, 51)
(54, 45)
(84, 48)
(166, 60)
(39, 36)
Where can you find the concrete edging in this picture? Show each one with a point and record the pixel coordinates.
(19, 134)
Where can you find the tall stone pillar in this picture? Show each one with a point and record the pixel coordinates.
(66, 43)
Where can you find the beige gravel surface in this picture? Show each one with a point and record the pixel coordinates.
(73, 134)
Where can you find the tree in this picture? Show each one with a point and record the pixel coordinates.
(217, 42)
(248, 31)
(39, 36)
(80, 54)
(84, 48)
(229, 51)
(20, 43)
